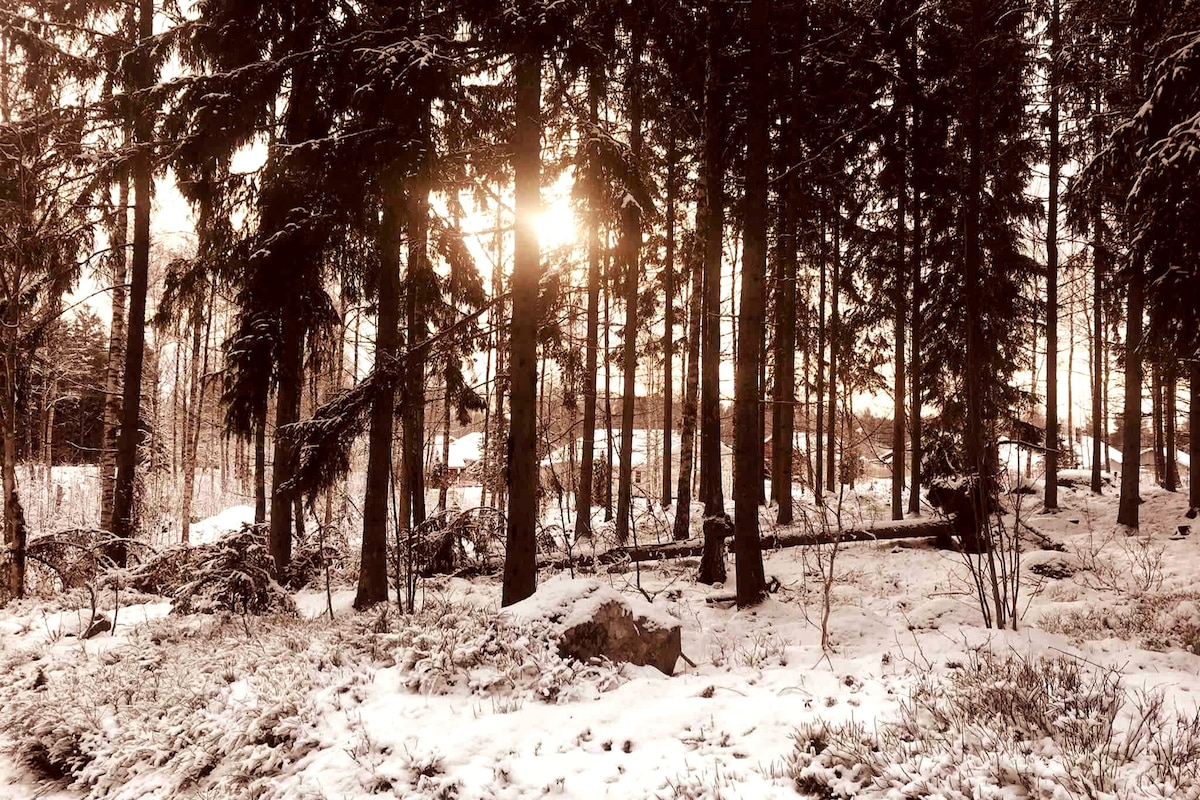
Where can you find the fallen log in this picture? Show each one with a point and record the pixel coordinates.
(899, 529)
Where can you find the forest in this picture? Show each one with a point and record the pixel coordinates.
(772, 210)
(365, 320)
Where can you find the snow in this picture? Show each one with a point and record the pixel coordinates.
(465, 701)
(569, 602)
(212, 529)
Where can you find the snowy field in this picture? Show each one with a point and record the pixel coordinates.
(1094, 696)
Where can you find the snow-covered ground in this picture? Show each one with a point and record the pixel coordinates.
(458, 701)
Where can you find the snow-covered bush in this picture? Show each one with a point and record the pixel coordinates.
(1048, 728)
(234, 575)
(199, 705)
(447, 648)
(202, 708)
(1158, 621)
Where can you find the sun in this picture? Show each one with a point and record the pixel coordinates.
(556, 225)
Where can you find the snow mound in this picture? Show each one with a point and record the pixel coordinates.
(215, 527)
(573, 601)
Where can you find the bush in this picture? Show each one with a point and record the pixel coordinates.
(234, 575)
(1047, 726)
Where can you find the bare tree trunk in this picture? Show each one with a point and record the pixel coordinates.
(1099, 421)
(608, 415)
(835, 339)
(917, 330)
(631, 235)
(691, 389)
(260, 466)
(819, 440)
(712, 565)
(747, 470)
(711, 490)
(373, 573)
(124, 515)
(15, 535)
(418, 283)
(1051, 458)
(444, 483)
(783, 408)
(1127, 510)
(587, 479)
(899, 325)
(1170, 389)
(668, 342)
(116, 354)
(1156, 410)
(978, 462)
(1194, 435)
(1131, 444)
(520, 564)
(287, 411)
(191, 439)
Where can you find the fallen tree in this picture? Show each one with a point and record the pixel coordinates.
(901, 529)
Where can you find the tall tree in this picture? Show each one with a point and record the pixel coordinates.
(1053, 157)
(520, 564)
(124, 510)
(631, 245)
(747, 468)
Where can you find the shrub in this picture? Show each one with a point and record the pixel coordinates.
(1047, 726)
(234, 575)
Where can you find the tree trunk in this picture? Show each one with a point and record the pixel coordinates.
(583, 495)
(260, 466)
(418, 288)
(819, 443)
(1194, 435)
(900, 322)
(975, 455)
(124, 514)
(712, 171)
(1131, 442)
(668, 342)
(783, 407)
(747, 468)
(191, 416)
(1099, 260)
(691, 390)
(520, 564)
(444, 483)
(1156, 410)
(287, 411)
(914, 372)
(835, 338)
(1127, 510)
(373, 573)
(14, 518)
(1051, 457)
(15, 535)
(116, 354)
(631, 235)
(606, 478)
(1170, 389)
(712, 567)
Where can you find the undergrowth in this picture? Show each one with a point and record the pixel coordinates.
(209, 705)
(1004, 726)
(1156, 621)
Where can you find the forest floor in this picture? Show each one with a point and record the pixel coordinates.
(1094, 695)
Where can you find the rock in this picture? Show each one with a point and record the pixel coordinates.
(98, 626)
(593, 620)
(615, 633)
